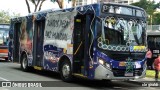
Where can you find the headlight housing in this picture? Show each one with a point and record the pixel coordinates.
(105, 64)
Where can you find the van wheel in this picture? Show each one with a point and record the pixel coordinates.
(24, 63)
(65, 71)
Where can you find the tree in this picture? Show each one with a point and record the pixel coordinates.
(61, 3)
(37, 5)
(156, 19)
(5, 16)
(73, 3)
(149, 7)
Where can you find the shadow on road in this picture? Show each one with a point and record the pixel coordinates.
(4, 61)
(50, 74)
(79, 82)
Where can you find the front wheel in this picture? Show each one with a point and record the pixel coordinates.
(65, 71)
(24, 63)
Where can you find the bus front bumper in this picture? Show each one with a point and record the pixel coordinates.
(103, 73)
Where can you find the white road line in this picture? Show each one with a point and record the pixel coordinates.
(4, 79)
(2, 88)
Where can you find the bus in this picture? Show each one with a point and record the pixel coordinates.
(153, 40)
(4, 30)
(101, 41)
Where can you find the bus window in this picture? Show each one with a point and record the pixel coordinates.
(3, 37)
(157, 42)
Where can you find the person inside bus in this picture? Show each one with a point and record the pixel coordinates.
(149, 57)
(157, 67)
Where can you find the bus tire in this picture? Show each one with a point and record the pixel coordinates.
(66, 71)
(24, 63)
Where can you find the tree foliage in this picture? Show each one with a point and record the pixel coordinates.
(5, 16)
(37, 4)
(156, 19)
(150, 7)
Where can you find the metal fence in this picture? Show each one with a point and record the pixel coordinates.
(153, 27)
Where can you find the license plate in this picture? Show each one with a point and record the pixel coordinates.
(128, 74)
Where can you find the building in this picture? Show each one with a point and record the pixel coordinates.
(126, 1)
(85, 2)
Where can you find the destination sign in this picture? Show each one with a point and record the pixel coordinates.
(124, 10)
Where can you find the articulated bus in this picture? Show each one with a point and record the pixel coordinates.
(97, 41)
(4, 30)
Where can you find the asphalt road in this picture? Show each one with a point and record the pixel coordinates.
(11, 72)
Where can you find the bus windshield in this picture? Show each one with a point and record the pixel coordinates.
(4, 36)
(118, 34)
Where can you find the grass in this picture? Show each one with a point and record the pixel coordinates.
(151, 74)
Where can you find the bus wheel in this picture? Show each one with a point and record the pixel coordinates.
(24, 63)
(65, 71)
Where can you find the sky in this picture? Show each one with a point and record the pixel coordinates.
(19, 6)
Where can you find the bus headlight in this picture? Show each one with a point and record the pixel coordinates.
(101, 61)
(105, 64)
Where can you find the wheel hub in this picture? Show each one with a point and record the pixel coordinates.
(65, 70)
(24, 63)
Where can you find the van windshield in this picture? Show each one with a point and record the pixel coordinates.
(4, 36)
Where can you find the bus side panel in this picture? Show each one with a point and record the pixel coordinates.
(26, 36)
(58, 38)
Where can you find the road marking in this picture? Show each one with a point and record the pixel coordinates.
(1, 88)
(4, 79)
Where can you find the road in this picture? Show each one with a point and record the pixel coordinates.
(11, 72)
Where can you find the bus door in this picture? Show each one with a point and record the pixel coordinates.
(80, 46)
(16, 43)
(38, 43)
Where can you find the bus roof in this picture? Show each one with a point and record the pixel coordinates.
(81, 9)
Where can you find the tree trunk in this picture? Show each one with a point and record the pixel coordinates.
(28, 7)
(36, 5)
(60, 3)
(40, 5)
(73, 3)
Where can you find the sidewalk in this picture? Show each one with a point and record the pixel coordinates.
(146, 79)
